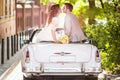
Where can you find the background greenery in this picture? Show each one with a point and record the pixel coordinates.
(100, 20)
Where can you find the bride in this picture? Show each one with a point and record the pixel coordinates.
(48, 33)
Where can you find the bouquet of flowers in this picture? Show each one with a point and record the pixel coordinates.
(64, 39)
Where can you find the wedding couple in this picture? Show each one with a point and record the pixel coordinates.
(71, 26)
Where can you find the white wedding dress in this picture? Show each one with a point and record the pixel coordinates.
(46, 32)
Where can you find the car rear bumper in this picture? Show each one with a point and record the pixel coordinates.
(29, 74)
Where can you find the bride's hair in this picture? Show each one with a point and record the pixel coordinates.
(54, 10)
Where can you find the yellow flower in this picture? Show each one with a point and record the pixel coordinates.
(64, 39)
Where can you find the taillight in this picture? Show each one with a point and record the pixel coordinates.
(27, 58)
(97, 56)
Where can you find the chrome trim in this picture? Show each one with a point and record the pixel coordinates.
(61, 73)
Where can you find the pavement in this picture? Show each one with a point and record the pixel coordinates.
(7, 67)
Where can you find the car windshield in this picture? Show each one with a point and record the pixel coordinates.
(43, 35)
(35, 38)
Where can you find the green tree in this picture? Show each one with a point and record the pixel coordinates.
(107, 37)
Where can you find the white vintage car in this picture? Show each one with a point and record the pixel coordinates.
(47, 59)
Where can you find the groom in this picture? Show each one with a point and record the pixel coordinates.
(72, 25)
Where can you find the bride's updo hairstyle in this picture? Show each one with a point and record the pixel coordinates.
(54, 10)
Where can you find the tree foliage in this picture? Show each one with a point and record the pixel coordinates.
(107, 37)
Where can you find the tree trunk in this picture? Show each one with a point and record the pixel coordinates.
(91, 7)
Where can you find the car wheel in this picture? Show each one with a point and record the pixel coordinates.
(48, 78)
(91, 77)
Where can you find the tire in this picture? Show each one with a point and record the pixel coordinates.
(68, 78)
(48, 78)
(91, 77)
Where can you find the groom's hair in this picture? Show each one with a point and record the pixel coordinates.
(69, 6)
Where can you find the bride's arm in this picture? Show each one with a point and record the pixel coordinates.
(54, 35)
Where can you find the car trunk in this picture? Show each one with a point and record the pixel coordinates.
(61, 57)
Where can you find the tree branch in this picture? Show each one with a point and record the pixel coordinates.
(102, 3)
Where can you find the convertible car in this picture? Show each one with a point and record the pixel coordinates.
(46, 59)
